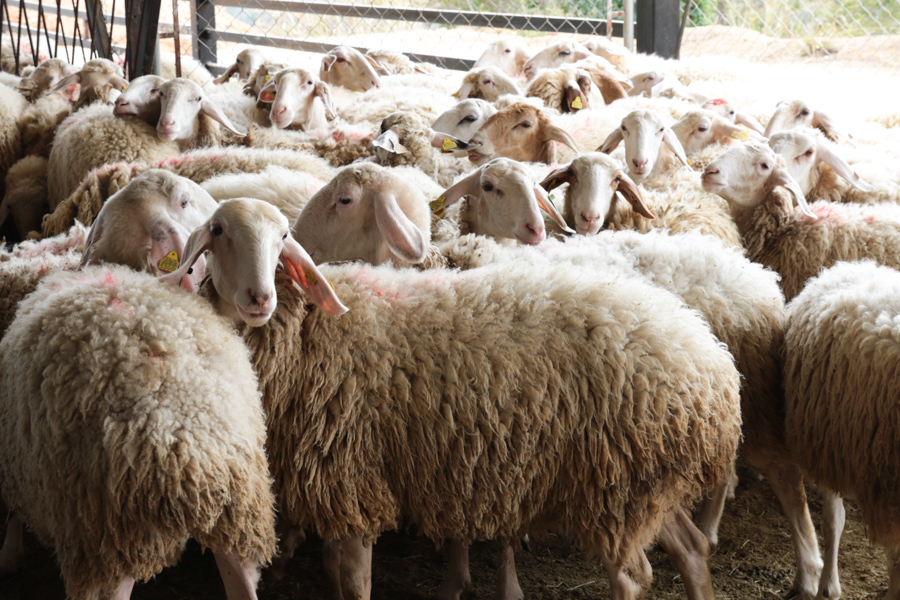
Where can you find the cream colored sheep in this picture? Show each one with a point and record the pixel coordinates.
(486, 83)
(247, 62)
(508, 55)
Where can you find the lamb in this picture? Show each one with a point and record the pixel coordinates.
(520, 132)
(678, 446)
(840, 355)
(247, 62)
(509, 56)
(172, 447)
(85, 202)
(821, 172)
(644, 133)
(704, 135)
(797, 244)
(487, 83)
(303, 102)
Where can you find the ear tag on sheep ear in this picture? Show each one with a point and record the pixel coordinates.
(311, 277)
(456, 94)
(437, 206)
(124, 87)
(448, 145)
(689, 162)
(169, 262)
(576, 103)
(744, 135)
(268, 77)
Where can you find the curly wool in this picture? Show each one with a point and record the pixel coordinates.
(841, 364)
(13, 104)
(415, 135)
(780, 237)
(26, 194)
(130, 421)
(481, 404)
(39, 121)
(339, 146)
(20, 275)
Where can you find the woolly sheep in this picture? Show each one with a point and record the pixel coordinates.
(698, 129)
(45, 76)
(349, 68)
(645, 133)
(391, 62)
(177, 425)
(10, 139)
(401, 93)
(797, 243)
(340, 145)
(725, 108)
(841, 354)
(299, 100)
(186, 116)
(191, 69)
(464, 118)
(101, 79)
(486, 83)
(555, 55)
(141, 99)
(25, 199)
(566, 89)
(615, 53)
(509, 56)
(247, 62)
(679, 448)
(39, 121)
(520, 132)
(796, 113)
(198, 166)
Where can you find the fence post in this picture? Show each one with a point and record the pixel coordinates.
(203, 18)
(657, 26)
(97, 25)
(142, 18)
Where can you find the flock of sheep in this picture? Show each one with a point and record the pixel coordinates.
(546, 294)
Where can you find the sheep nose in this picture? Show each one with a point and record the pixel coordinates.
(167, 123)
(588, 218)
(280, 110)
(260, 298)
(639, 164)
(711, 172)
(537, 230)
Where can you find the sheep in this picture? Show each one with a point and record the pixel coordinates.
(674, 462)
(402, 93)
(797, 244)
(726, 109)
(840, 357)
(158, 436)
(391, 62)
(303, 102)
(98, 78)
(198, 166)
(10, 138)
(796, 113)
(25, 198)
(340, 146)
(616, 54)
(520, 132)
(247, 62)
(186, 116)
(566, 89)
(39, 121)
(191, 69)
(464, 118)
(509, 56)
(821, 172)
(704, 135)
(349, 68)
(487, 83)
(555, 55)
(260, 77)
(141, 99)
(44, 77)
(644, 133)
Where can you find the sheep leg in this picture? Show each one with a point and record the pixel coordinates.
(507, 582)
(689, 550)
(710, 513)
(122, 591)
(787, 483)
(13, 547)
(832, 528)
(240, 577)
(629, 578)
(356, 569)
(289, 542)
(331, 562)
(457, 579)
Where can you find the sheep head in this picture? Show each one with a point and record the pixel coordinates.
(507, 55)
(644, 132)
(141, 99)
(521, 132)
(805, 151)
(796, 113)
(299, 100)
(488, 83)
(246, 63)
(181, 103)
(554, 56)
(700, 128)
(464, 119)
(350, 68)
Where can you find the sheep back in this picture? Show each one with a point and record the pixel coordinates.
(130, 421)
(841, 364)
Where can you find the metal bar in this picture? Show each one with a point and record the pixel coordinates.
(426, 15)
(75, 41)
(97, 24)
(142, 18)
(657, 27)
(68, 12)
(204, 21)
(76, 33)
(628, 30)
(112, 24)
(34, 52)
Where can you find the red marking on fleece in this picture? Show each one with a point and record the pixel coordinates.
(717, 102)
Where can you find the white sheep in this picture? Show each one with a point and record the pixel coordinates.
(521, 132)
(187, 116)
(349, 68)
(100, 79)
(797, 113)
(589, 328)
(840, 358)
(191, 68)
(245, 64)
(44, 77)
(123, 439)
(651, 147)
(797, 244)
(487, 83)
(727, 109)
(508, 55)
(555, 55)
(140, 99)
(464, 118)
(299, 100)
(705, 135)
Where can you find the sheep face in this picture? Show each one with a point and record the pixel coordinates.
(246, 239)
(566, 89)
(594, 179)
(98, 78)
(140, 99)
(643, 83)
(464, 119)
(746, 173)
(45, 76)
(298, 100)
(506, 55)
(805, 152)
(554, 56)
(366, 212)
(521, 132)
(796, 113)
(488, 83)
(614, 53)
(726, 109)
(698, 129)
(181, 103)
(643, 133)
(349, 68)
(246, 63)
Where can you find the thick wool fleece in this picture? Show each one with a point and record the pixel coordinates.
(129, 421)
(339, 147)
(778, 236)
(38, 123)
(841, 364)
(415, 135)
(483, 404)
(13, 104)
(20, 275)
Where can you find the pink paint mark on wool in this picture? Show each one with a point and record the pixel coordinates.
(717, 102)
(870, 219)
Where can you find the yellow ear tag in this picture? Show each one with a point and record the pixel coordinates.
(576, 103)
(741, 135)
(456, 94)
(169, 262)
(124, 87)
(448, 145)
(689, 162)
(330, 284)
(268, 77)
(311, 278)
(437, 206)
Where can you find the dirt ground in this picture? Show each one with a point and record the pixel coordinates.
(754, 560)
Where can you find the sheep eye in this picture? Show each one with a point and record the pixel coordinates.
(238, 61)
(184, 203)
(661, 129)
(808, 152)
(468, 119)
(570, 172)
(486, 82)
(198, 99)
(216, 229)
(507, 51)
(309, 82)
(340, 59)
(565, 53)
(284, 237)
(731, 112)
(703, 128)
(345, 200)
(525, 124)
(804, 112)
(487, 187)
(623, 128)
(765, 166)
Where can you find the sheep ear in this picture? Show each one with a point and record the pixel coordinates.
(575, 99)
(65, 82)
(842, 168)
(556, 178)
(323, 92)
(93, 237)
(781, 177)
(406, 241)
(210, 109)
(465, 91)
(448, 143)
(824, 123)
(671, 140)
(227, 74)
(612, 141)
(749, 121)
(267, 93)
(552, 132)
(300, 267)
(548, 207)
(631, 192)
(380, 69)
(390, 142)
(120, 83)
(197, 243)
(328, 61)
(467, 186)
